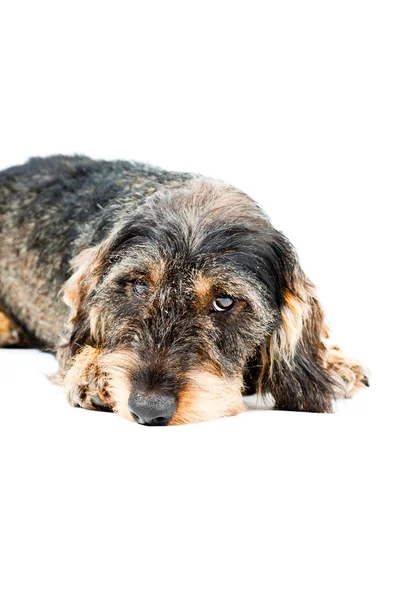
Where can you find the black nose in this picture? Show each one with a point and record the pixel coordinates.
(152, 408)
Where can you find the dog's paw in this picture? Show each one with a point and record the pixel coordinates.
(352, 374)
(91, 399)
(10, 334)
(87, 387)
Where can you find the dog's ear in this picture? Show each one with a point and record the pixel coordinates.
(87, 268)
(294, 359)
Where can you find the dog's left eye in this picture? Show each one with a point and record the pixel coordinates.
(223, 303)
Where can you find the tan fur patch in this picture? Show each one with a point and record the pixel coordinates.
(208, 396)
(157, 271)
(10, 334)
(203, 286)
(295, 313)
(6, 326)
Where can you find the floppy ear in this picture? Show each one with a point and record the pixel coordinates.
(294, 367)
(76, 293)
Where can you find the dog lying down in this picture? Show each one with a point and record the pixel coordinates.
(166, 296)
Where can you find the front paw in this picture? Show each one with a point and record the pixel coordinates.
(353, 375)
(86, 384)
(90, 398)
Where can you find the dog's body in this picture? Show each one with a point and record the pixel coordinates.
(182, 295)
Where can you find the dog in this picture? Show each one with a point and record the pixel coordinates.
(166, 296)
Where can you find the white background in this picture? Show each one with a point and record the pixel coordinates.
(298, 104)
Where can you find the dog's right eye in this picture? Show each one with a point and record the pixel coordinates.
(139, 286)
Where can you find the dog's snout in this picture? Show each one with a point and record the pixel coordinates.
(152, 408)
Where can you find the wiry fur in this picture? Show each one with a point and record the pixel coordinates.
(75, 235)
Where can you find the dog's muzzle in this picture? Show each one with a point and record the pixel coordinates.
(152, 408)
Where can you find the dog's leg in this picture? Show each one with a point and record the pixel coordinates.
(85, 382)
(11, 336)
(352, 374)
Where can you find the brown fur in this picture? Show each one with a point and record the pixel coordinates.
(209, 396)
(10, 333)
(119, 267)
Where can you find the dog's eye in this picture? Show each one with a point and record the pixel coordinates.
(223, 303)
(140, 287)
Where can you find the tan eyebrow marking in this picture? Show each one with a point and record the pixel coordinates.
(203, 285)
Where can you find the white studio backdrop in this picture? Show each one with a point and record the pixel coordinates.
(297, 104)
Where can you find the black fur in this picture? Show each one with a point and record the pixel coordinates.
(139, 222)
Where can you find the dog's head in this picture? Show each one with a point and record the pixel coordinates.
(194, 299)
